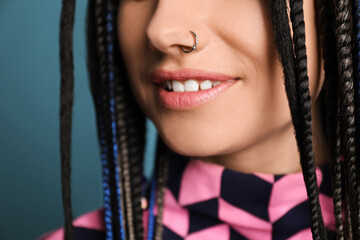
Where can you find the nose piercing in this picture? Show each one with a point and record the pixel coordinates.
(194, 47)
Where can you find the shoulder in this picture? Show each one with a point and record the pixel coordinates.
(88, 223)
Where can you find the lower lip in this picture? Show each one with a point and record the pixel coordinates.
(187, 100)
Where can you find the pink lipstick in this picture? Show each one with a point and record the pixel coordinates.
(187, 100)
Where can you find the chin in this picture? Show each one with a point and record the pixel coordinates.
(191, 150)
(198, 145)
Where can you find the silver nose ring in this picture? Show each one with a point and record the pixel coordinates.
(194, 47)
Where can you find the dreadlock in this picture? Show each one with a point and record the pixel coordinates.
(297, 89)
(66, 104)
(347, 109)
(121, 123)
(305, 145)
(332, 107)
(107, 166)
(126, 124)
(104, 81)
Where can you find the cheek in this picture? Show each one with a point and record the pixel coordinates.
(129, 36)
(132, 42)
(315, 69)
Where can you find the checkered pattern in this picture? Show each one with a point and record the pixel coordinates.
(204, 201)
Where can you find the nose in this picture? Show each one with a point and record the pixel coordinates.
(170, 26)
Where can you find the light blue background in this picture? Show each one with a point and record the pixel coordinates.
(30, 200)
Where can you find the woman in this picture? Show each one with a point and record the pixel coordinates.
(232, 161)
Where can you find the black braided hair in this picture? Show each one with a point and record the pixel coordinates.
(66, 105)
(343, 31)
(356, 35)
(298, 96)
(332, 106)
(305, 146)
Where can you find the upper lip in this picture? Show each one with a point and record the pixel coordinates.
(162, 75)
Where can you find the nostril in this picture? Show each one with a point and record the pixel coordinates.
(193, 47)
(185, 48)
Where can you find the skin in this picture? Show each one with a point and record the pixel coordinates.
(248, 128)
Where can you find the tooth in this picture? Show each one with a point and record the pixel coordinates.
(191, 86)
(168, 84)
(178, 86)
(207, 84)
(216, 83)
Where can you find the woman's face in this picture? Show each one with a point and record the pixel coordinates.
(235, 38)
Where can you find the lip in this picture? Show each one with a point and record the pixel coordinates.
(188, 100)
(162, 75)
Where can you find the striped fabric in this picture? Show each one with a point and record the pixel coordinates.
(205, 201)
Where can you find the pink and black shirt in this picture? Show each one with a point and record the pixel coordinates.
(205, 201)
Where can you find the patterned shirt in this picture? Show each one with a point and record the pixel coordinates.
(205, 201)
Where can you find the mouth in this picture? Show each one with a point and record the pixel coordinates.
(188, 88)
(177, 95)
